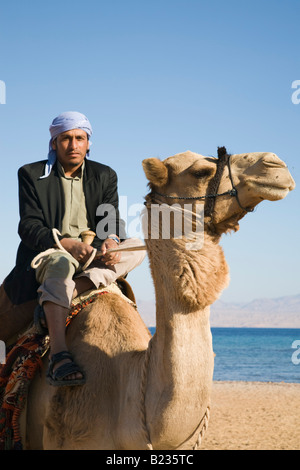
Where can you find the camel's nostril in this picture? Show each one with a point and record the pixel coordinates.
(274, 163)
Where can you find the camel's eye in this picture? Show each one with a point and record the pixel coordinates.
(202, 173)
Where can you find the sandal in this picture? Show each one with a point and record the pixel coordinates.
(57, 377)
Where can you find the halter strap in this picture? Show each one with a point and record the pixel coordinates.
(235, 190)
(212, 190)
(214, 184)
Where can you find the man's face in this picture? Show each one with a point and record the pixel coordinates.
(71, 148)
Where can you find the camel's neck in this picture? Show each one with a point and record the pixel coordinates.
(181, 366)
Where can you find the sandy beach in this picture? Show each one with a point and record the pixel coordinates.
(254, 416)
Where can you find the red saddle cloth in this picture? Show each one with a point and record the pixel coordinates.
(22, 362)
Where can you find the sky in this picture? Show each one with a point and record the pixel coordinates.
(155, 79)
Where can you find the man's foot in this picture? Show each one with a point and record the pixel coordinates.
(63, 370)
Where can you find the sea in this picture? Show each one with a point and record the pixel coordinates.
(256, 354)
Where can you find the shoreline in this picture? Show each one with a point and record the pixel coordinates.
(254, 416)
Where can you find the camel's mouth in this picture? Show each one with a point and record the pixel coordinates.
(273, 191)
(289, 186)
(274, 185)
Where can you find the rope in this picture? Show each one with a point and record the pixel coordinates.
(197, 198)
(204, 423)
(38, 259)
(55, 234)
(143, 397)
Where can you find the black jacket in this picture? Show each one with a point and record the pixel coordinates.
(41, 203)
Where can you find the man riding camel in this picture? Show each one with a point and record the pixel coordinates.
(59, 199)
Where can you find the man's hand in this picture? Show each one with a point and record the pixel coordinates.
(110, 259)
(79, 250)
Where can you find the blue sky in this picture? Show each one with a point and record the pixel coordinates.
(158, 78)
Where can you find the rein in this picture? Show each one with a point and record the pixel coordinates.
(223, 160)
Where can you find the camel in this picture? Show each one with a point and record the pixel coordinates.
(146, 392)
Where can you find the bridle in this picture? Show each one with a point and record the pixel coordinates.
(212, 190)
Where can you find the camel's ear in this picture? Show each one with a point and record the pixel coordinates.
(155, 171)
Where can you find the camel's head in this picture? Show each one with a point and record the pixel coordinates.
(256, 177)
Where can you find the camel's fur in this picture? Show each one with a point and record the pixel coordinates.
(109, 339)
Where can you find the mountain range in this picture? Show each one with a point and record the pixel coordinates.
(281, 312)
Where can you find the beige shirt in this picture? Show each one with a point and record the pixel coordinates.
(75, 216)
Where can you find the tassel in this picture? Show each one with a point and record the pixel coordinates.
(222, 152)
